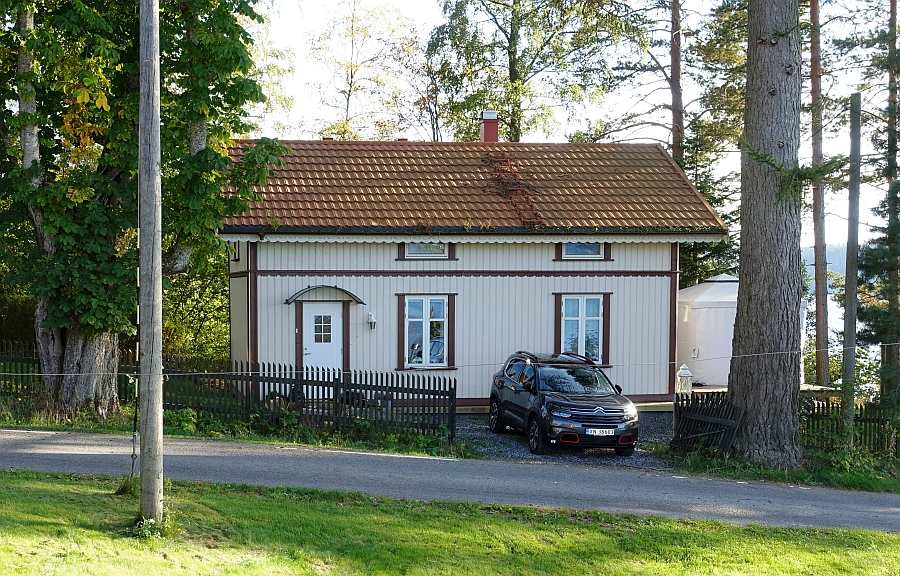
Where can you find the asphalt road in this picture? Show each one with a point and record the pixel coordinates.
(613, 489)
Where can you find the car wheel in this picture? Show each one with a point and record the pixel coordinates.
(537, 443)
(495, 417)
(625, 451)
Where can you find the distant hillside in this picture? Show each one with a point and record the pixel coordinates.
(835, 255)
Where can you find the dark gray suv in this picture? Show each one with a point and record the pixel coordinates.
(562, 400)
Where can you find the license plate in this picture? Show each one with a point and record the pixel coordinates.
(599, 431)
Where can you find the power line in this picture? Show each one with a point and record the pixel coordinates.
(476, 365)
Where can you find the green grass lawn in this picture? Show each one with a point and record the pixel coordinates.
(870, 473)
(54, 524)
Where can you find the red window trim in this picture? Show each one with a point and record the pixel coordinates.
(451, 330)
(605, 328)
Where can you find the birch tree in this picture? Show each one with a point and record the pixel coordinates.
(527, 58)
(361, 48)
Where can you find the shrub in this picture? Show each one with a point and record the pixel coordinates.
(150, 529)
(183, 421)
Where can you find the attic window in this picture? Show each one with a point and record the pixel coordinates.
(426, 251)
(585, 251)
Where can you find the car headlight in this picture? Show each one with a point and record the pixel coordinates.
(560, 412)
(631, 413)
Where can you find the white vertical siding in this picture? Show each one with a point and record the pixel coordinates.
(495, 314)
(239, 310)
(524, 257)
(239, 265)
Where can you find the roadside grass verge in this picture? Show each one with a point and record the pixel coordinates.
(862, 473)
(58, 524)
(187, 423)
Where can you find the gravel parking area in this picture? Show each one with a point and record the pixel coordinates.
(655, 427)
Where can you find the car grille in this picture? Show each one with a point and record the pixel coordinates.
(607, 416)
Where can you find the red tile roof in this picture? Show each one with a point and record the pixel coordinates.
(473, 187)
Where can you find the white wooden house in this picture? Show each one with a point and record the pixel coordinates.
(450, 256)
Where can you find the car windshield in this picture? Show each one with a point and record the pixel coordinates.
(575, 380)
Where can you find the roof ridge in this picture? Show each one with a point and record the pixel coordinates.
(479, 144)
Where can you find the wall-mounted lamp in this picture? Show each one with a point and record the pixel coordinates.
(371, 321)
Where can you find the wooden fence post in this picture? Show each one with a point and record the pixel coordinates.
(452, 409)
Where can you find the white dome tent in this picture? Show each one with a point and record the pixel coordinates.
(706, 326)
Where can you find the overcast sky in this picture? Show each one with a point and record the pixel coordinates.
(294, 23)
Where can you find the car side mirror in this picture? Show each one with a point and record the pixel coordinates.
(526, 384)
(618, 388)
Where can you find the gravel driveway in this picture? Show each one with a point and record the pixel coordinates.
(513, 446)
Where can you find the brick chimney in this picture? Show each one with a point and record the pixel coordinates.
(489, 127)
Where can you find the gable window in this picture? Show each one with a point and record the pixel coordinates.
(584, 251)
(427, 331)
(427, 250)
(584, 326)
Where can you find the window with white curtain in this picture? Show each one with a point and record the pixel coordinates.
(582, 322)
(426, 331)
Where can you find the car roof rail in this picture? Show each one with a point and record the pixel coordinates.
(578, 357)
(526, 353)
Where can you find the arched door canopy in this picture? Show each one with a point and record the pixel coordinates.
(309, 294)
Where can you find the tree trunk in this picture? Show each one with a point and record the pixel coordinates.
(815, 50)
(80, 370)
(890, 353)
(515, 78)
(675, 86)
(851, 297)
(765, 367)
(51, 349)
(90, 365)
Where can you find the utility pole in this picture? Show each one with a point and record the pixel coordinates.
(150, 210)
(821, 276)
(848, 377)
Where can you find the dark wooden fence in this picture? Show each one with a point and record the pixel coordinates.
(704, 420)
(318, 397)
(707, 419)
(875, 428)
(15, 350)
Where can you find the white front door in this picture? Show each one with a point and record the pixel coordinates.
(322, 334)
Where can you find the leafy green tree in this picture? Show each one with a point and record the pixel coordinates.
(525, 58)
(68, 165)
(195, 310)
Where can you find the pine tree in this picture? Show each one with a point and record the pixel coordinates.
(879, 262)
(765, 370)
